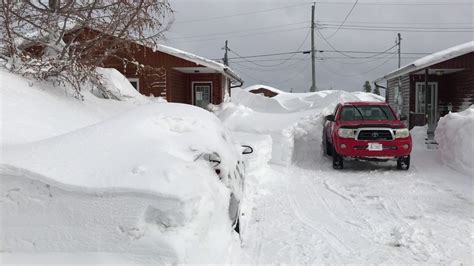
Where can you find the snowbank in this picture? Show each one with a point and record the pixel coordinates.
(456, 143)
(257, 102)
(134, 183)
(119, 87)
(259, 86)
(32, 110)
(292, 120)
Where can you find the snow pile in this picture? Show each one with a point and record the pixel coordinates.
(418, 137)
(257, 102)
(260, 86)
(136, 183)
(290, 131)
(119, 87)
(456, 144)
(86, 181)
(286, 102)
(33, 110)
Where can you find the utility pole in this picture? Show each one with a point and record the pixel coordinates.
(399, 43)
(313, 56)
(226, 59)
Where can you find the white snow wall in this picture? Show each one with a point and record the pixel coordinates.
(456, 142)
(47, 217)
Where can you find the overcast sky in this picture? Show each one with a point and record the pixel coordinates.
(272, 26)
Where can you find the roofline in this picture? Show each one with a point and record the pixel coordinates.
(226, 71)
(399, 72)
(422, 65)
(232, 75)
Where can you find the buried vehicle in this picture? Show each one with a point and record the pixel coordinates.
(159, 184)
(367, 131)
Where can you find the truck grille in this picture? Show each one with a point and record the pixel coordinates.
(373, 134)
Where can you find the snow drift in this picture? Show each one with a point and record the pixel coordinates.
(292, 120)
(131, 184)
(456, 144)
(32, 110)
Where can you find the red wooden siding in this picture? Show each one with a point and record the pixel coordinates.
(178, 85)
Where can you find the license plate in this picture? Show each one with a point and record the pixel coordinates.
(375, 147)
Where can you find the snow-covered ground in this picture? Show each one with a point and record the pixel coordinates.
(306, 212)
(107, 181)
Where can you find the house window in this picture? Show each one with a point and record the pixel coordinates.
(135, 83)
(420, 93)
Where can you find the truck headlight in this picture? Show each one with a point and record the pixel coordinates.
(346, 133)
(402, 133)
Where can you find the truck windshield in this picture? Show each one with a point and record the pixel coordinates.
(366, 112)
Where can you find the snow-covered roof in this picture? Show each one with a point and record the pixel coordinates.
(431, 59)
(199, 60)
(227, 71)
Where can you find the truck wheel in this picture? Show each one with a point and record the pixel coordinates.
(403, 163)
(328, 148)
(337, 160)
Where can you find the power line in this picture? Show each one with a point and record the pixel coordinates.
(398, 3)
(244, 35)
(400, 22)
(398, 30)
(328, 51)
(344, 53)
(240, 14)
(239, 31)
(280, 63)
(344, 21)
(396, 27)
(327, 58)
(281, 68)
(361, 73)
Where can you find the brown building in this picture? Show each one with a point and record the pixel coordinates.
(163, 71)
(176, 75)
(449, 77)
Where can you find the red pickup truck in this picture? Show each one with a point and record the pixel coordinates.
(367, 131)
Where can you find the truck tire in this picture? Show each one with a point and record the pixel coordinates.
(328, 148)
(403, 163)
(337, 160)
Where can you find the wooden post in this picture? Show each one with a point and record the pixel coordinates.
(426, 95)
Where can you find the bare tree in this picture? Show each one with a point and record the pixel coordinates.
(65, 40)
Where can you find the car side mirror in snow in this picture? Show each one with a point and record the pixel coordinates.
(212, 158)
(330, 118)
(247, 149)
(403, 118)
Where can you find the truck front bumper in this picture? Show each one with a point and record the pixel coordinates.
(347, 147)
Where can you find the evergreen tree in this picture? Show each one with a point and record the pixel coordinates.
(367, 87)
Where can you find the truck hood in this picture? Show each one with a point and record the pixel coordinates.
(372, 123)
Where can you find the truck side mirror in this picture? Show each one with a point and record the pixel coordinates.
(330, 118)
(403, 118)
(247, 149)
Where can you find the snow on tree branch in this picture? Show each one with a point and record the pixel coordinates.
(67, 39)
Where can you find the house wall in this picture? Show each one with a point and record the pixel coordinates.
(157, 75)
(217, 85)
(455, 88)
(400, 104)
